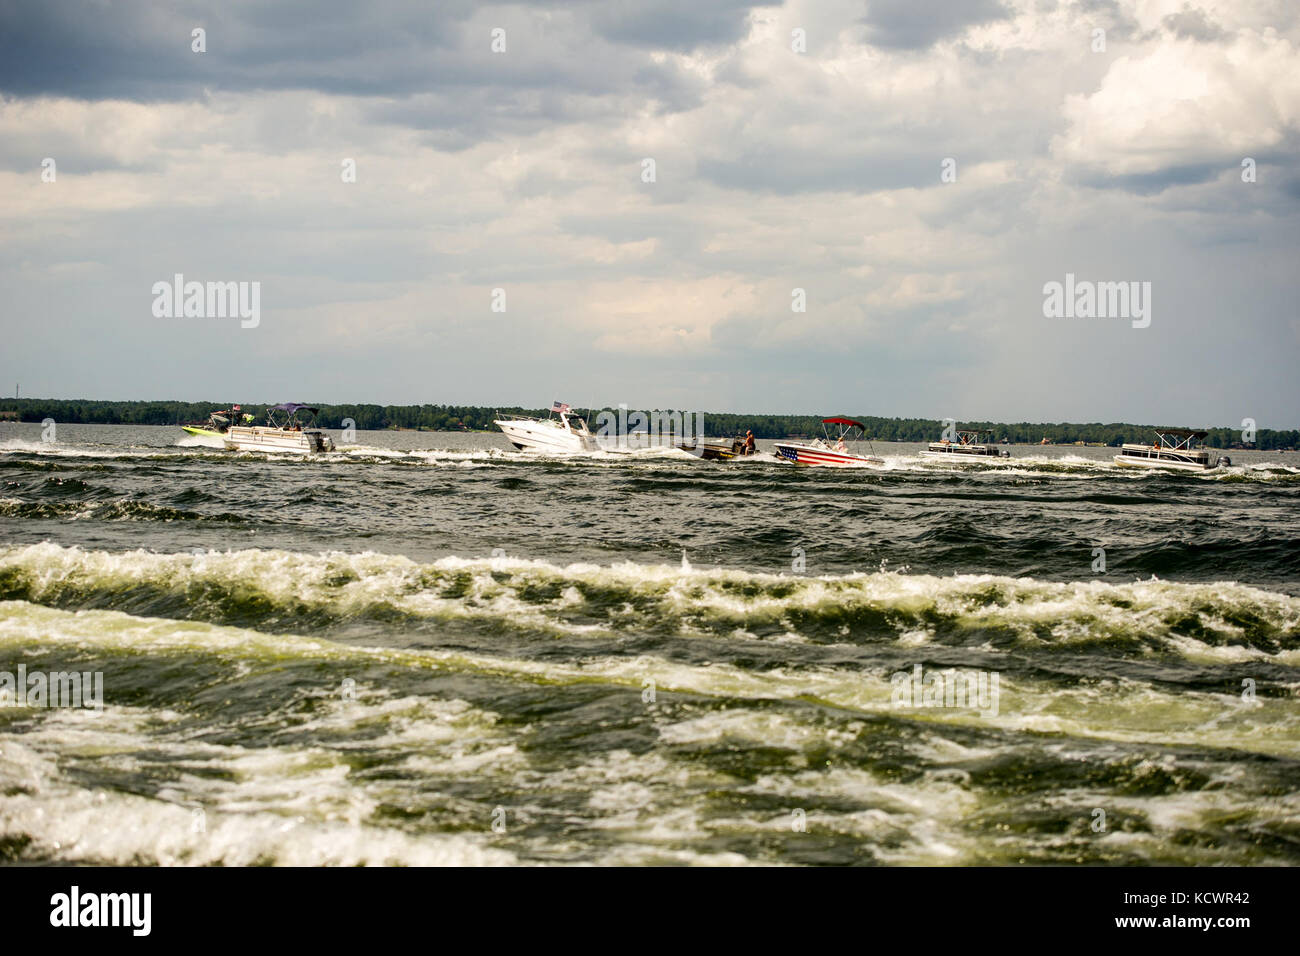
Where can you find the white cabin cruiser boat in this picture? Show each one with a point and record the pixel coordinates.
(561, 433)
(1176, 448)
(284, 431)
(831, 451)
(967, 447)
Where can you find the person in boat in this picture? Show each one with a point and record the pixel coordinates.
(840, 446)
(749, 441)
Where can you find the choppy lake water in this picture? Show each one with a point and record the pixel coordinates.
(430, 648)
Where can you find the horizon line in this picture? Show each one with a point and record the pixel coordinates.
(590, 408)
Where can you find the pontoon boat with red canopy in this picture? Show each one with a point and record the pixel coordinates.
(831, 451)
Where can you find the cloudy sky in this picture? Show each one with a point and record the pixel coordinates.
(774, 170)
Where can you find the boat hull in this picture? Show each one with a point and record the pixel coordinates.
(812, 455)
(964, 453)
(261, 438)
(539, 436)
(716, 451)
(1164, 463)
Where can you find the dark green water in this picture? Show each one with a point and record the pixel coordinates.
(428, 649)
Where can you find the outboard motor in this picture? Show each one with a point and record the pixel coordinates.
(1225, 461)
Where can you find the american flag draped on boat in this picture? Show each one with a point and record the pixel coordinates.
(559, 407)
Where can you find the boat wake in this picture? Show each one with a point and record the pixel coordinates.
(277, 590)
(1069, 466)
(275, 707)
(201, 441)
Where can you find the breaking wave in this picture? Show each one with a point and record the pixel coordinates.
(284, 590)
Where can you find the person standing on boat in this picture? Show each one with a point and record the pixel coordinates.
(749, 441)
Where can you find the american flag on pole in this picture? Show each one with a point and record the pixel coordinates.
(559, 407)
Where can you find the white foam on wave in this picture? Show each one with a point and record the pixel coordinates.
(301, 804)
(1029, 465)
(371, 451)
(230, 805)
(696, 600)
(1125, 710)
(66, 450)
(201, 441)
(919, 823)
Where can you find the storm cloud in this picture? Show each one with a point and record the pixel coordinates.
(648, 184)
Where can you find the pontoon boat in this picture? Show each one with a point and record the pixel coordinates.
(1177, 448)
(967, 446)
(830, 451)
(285, 430)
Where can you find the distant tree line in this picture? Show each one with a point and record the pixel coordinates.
(929, 429)
(479, 418)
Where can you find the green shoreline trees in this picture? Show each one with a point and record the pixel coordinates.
(479, 418)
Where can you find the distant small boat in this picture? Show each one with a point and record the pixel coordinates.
(1179, 449)
(967, 447)
(284, 431)
(562, 432)
(830, 451)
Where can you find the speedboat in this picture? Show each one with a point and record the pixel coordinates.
(717, 450)
(562, 432)
(290, 427)
(967, 447)
(830, 451)
(217, 425)
(1176, 448)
